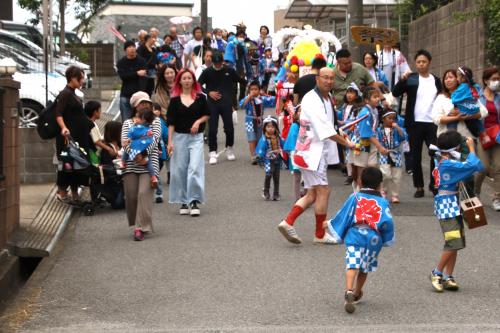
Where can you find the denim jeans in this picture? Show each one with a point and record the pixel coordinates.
(125, 108)
(187, 169)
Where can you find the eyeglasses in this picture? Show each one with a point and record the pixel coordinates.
(327, 77)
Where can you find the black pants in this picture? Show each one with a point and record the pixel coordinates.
(275, 175)
(226, 112)
(419, 134)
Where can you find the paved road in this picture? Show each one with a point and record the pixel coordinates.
(231, 270)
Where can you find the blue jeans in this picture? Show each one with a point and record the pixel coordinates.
(187, 167)
(125, 108)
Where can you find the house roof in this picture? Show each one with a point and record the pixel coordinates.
(334, 9)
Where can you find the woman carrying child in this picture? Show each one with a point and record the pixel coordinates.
(136, 179)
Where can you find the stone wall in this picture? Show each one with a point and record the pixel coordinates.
(451, 45)
(9, 185)
(36, 158)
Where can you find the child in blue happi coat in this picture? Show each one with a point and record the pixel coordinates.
(266, 68)
(254, 105)
(289, 148)
(141, 136)
(391, 136)
(353, 103)
(448, 173)
(269, 150)
(466, 100)
(364, 224)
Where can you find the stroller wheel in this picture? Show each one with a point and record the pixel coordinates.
(88, 210)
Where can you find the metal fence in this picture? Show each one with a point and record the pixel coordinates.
(100, 57)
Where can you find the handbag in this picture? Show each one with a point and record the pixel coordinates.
(472, 209)
(488, 136)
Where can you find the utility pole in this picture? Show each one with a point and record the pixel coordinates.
(204, 16)
(6, 10)
(355, 15)
(47, 42)
(62, 28)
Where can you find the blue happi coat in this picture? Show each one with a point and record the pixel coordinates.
(290, 143)
(364, 221)
(447, 174)
(364, 130)
(263, 150)
(392, 142)
(464, 100)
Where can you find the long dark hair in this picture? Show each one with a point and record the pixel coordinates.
(113, 132)
(160, 78)
(446, 91)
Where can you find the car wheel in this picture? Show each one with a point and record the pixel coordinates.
(28, 115)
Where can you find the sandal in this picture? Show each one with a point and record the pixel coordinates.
(63, 199)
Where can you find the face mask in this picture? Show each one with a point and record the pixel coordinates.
(493, 85)
(218, 37)
(455, 155)
(241, 40)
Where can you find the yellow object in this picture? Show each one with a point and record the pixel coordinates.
(305, 50)
(286, 65)
(294, 68)
(449, 235)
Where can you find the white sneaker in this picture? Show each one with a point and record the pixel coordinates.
(213, 158)
(184, 210)
(230, 154)
(496, 205)
(289, 232)
(326, 240)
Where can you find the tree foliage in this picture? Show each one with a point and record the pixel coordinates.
(490, 9)
(84, 10)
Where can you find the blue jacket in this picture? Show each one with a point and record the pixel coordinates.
(231, 56)
(381, 76)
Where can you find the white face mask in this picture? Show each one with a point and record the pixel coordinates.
(218, 37)
(493, 85)
(241, 40)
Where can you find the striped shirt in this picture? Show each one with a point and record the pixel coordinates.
(152, 150)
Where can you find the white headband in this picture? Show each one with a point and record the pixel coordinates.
(388, 114)
(435, 148)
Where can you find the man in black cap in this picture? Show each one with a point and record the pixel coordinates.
(217, 82)
(132, 71)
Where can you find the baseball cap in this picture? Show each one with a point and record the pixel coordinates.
(138, 97)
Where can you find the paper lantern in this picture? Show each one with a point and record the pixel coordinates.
(294, 68)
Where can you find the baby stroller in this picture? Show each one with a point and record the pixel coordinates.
(104, 181)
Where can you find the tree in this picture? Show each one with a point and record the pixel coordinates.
(85, 10)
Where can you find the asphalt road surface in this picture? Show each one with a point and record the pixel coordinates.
(231, 270)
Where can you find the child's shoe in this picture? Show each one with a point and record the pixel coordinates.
(266, 195)
(349, 298)
(289, 232)
(138, 235)
(357, 298)
(154, 182)
(348, 180)
(276, 197)
(255, 160)
(437, 281)
(326, 240)
(449, 283)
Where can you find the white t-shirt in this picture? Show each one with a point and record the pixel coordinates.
(96, 135)
(426, 94)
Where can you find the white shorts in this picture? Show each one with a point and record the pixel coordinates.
(316, 178)
(365, 159)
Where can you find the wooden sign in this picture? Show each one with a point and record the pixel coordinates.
(370, 36)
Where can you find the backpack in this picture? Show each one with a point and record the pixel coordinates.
(46, 124)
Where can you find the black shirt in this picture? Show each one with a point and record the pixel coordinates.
(222, 81)
(304, 85)
(148, 56)
(182, 117)
(127, 70)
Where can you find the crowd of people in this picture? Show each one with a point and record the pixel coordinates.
(174, 90)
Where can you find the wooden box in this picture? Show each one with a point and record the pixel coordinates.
(473, 212)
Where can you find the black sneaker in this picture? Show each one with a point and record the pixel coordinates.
(276, 197)
(184, 210)
(159, 200)
(266, 195)
(419, 193)
(194, 210)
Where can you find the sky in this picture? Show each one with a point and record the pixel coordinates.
(224, 13)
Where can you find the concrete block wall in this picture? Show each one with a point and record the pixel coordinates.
(451, 44)
(9, 187)
(36, 158)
